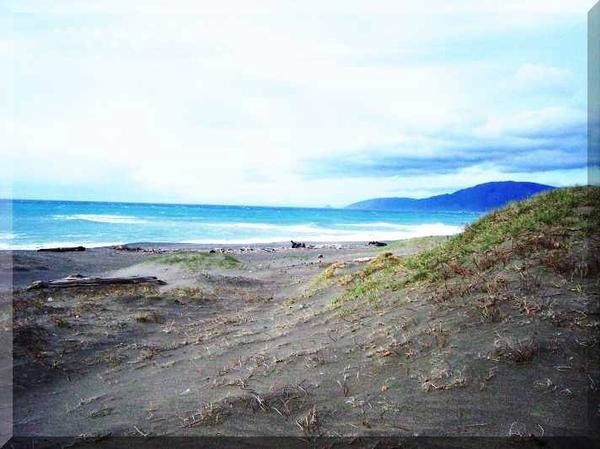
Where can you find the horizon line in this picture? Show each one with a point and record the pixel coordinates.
(160, 203)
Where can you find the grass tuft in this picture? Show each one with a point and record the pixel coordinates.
(196, 261)
(518, 352)
(525, 224)
(545, 226)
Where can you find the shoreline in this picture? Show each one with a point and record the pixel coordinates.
(298, 341)
(22, 267)
(175, 246)
(254, 245)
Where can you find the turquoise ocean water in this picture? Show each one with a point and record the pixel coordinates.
(34, 224)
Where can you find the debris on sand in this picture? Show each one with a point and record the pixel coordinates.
(138, 249)
(298, 244)
(62, 250)
(376, 243)
(82, 281)
(494, 323)
(310, 422)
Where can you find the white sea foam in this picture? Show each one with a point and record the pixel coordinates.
(99, 218)
(36, 246)
(305, 227)
(318, 234)
(375, 224)
(278, 233)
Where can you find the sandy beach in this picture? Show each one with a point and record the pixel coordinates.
(433, 336)
(228, 314)
(307, 225)
(31, 265)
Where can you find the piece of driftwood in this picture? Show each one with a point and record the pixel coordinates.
(138, 249)
(82, 281)
(62, 250)
(298, 244)
(375, 243)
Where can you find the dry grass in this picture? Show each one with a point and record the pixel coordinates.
(324, 279)
(489, 311)
(209, 415)
(521, 351)
(148, 352)
(287, 402)
(184, 295)
(331, 270)
(310, 422)
(151, 316)
(548, 231)
(440, 379)
(60, 321)
(112, 358)
(539, 224)
(440, 336)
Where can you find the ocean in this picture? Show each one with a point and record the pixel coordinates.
(35, 224)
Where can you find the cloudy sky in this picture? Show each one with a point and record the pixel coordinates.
(288, 103)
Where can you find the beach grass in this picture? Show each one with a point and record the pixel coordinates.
(549, 223)
(247, 350)
(542, 215)
(416, 242)
(380, 275)
(196, 261)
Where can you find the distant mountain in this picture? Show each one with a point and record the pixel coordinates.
(480, 198)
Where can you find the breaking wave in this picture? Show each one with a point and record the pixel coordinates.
(99, 218)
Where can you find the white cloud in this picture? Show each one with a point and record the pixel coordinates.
(268, 6)
(532, 77)
(224, 108)
(533, 122)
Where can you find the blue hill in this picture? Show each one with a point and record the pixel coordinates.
(482, 197)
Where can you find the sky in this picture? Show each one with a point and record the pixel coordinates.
(288, 103)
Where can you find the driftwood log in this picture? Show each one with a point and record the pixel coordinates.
(62, 250)
(298, 244)
(82, 281)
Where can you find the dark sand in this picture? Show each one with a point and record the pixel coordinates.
(257, 349)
